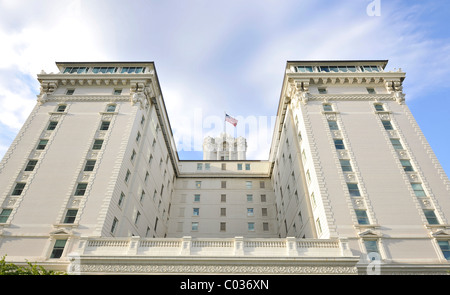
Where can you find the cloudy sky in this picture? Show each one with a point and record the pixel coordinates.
(214, 56)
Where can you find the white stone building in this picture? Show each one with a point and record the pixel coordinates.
(93, 183)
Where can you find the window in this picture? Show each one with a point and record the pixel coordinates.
(58, 248)
(142, 196)
(239, 166)
(196, 198)
(61, 108)
(121, 198)
(70, 216)
(111, 108)
(133, 155)
(249, 198)
(223, 226)
(199, 166)
(4, 215)
(127, 176)
(142, 120)
(207, 166)
(18, 189)
(52, 125)
(75, 70)
(313, 200)
(223, 184)
(304, 69)
(114, 225)
(333, 125)
(418, 190)
(362, 217)
(371, 90)
(81, 189)
(42, 144)
(138, 215)
(223, 198)
(263, 198)
(406, 164)
(387, 125)
(250, 212)
(264, 211)
(262, 184)
(117, 91)
(379, 107)
(265, 226)
(322, 91)
(97, 144)
(346, 166)
(396, 143)
(194, 226)
(195, 211)
(70, 91)
(370, 69)
(105, 125)
(445, 248)
(223, 211)
(327, 107)
(371, 246)
(247, 166)
(138, 136)
(251, 226)
(224, 166)
(130, 70)
(339, 144)
(431, 216)
(104, 70)
(318, 226)
(198, 184)
(353, 189)
(90, 164)
(31, 164)
(248, 184)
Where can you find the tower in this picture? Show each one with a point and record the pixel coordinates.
(224, 147)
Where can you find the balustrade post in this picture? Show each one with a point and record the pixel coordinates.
(345, 248)
(291, 246)
(239, 246)
(133, 245)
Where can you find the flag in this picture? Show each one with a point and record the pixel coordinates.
(231, 120)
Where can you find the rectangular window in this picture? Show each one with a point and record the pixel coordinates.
(239, 166)
(4, 215)
(407, 165)
(223, 226)
(138, 215)
(223, 198)
(396, 143)
(262, 184)
(333, 125)
(371, 91)
(379, 107)
(111, 108)
(70, 216)
(70, 91)
(250, 212)
(248, 184)
(223, 211)
(198, 184)
(142, 196)
(114, 225)
(327, 108)
(353, 189)
(197, 198)
(127, 176)
(52, 125)
(322, 91)
(418, 190)
(18, 189)
(387, 125)
(339, 144)
(90, 164)
(265, 226)
(251, 226)
(199, 166)
(97, 144)
(61, 108)
(121, 198)
(445, 248)
(207, 166)
(264, 211)
(346, 166)
(133, 154)
(371, 246)
(263, 198)
(247, 166)
(58, 248)
(42, 143)
(196, 211)
(223, 184)
(318, 227)
(362, 217)
(81, 189)
(249, 198)
(105, 125)
(431, 216)
(194, 226)
(117, 91)
(138, 136)
(224, 166)
(31, 164)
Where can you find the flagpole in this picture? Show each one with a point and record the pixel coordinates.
(224, 122)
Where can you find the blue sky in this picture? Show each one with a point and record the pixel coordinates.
(216, 56)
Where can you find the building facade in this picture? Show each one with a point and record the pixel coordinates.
(93, 183)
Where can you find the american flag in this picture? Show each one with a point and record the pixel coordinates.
(231, 120)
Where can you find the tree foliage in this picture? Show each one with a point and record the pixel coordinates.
(7, 268)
